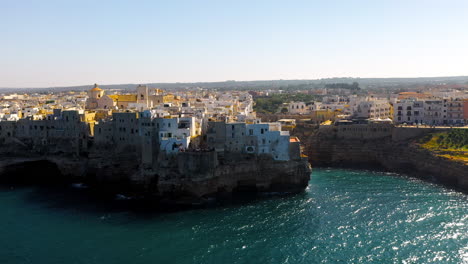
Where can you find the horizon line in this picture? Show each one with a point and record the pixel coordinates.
(224, 81)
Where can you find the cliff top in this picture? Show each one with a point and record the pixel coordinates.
(451, 144)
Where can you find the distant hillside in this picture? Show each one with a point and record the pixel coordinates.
(365, 83)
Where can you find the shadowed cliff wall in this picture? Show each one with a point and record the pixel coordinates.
(362, 147)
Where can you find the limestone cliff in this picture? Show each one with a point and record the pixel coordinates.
(393, 150)
(189, 177)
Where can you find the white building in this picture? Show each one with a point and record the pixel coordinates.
(409, 111)
(270, 140)
(372, 108)
(257, 138)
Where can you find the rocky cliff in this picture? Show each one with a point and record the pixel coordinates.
(393, 150)
(189, 177)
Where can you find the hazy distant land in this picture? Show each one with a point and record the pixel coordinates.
(365, 83)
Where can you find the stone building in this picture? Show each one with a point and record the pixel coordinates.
(121, 131)
(408, 111)
(258, 138)
(64, 131)
(143, 99)
(465, 110)
(455, 111)
(298, 108)
(435, 112)
(94, 96)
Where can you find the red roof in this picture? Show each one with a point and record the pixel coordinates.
(294, 139)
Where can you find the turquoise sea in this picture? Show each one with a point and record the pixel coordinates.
(344, 216)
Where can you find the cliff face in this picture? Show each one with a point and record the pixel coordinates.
(189, 177)
(394, 152)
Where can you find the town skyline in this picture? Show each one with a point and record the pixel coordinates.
(248, 131)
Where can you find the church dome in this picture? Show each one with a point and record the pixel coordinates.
(96, 88)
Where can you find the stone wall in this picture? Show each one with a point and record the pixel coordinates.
(405, 133)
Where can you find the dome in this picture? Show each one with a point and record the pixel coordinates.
(96, 88)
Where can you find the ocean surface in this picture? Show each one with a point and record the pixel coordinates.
(344, 216)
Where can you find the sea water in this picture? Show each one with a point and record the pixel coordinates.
(344, 216)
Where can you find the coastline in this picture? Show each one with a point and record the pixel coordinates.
(189, 180)
(393, 151)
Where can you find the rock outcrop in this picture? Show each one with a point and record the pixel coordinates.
(396, 152)
(189, 177)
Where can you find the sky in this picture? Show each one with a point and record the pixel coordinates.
(63, 43)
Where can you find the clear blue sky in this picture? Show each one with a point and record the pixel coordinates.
(57, 43)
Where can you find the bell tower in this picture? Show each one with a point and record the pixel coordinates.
(142, 94)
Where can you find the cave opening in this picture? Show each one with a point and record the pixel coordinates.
(32, 172)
